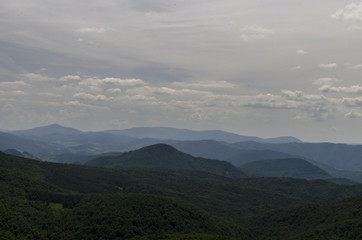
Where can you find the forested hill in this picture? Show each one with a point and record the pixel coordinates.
(162, 156)
(42, 200)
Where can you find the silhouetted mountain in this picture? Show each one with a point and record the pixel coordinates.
(36, 148)
(206, 149)
(288, 167)
(151, 132)
(245, 156)
(194, 135)
(47, 130)
(162, 156)
(339, 156)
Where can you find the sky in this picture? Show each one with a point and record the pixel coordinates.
(254, 67)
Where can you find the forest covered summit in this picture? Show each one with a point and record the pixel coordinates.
(163, 156)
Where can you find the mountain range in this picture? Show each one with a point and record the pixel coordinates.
(44, 200)
(68, 145)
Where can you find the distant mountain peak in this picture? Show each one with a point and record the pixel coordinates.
(47, 130)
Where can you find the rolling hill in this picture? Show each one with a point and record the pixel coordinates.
(162, 156)
(288, 167)
(42, 200)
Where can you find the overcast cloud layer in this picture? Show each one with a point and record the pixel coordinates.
(262, 68)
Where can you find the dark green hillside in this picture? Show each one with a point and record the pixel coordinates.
(162, 156)
(288, 167)
(122, 216)
(340, 220)
(31, 208)
(42, 200)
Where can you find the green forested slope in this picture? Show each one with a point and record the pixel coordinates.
(340, 220)
(40, 200)
(162, 156)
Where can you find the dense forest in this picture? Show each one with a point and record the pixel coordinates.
(43, 200)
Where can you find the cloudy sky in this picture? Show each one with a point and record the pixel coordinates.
(263, 68)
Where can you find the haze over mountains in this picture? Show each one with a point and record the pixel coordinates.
(69, 145)
(199, 188)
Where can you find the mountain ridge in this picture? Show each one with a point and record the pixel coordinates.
(287, 167)
(163, 156)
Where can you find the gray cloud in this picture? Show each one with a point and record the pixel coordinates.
(191, 64)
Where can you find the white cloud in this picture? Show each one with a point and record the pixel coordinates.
(83, 105)
(301, 52)
(353, 114)
(87, 96)
(208, 84)
(49, 94)
(250, 33)
(19, 92)
(15, 84)
(352, 89)
(326, 81)
(93, 29)
(328, 65)
(350, 13)
(114, 90)
(123, 82)
(70, 77)
(296, 68)
(36, 77)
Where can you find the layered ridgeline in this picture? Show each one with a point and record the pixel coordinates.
(42, 200)
(287, 167)
(53, 142)
(162, 156)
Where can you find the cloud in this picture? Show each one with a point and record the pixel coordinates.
(352, 89)
(87, 96)
(19, 92)
(326, 81)
(307, 106)
(270, 101)
(36, 77)
(353, 114)
(296, 68)
(15, 84)
(250, 33)
(93, 29)
(123, 82)
(83, 105)
(205, 84)
(358, 66)
(328, 65)
(350, 13)
(70, 77)
(114, 90)
(354, 28)
(301, 52)
(353, 102)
